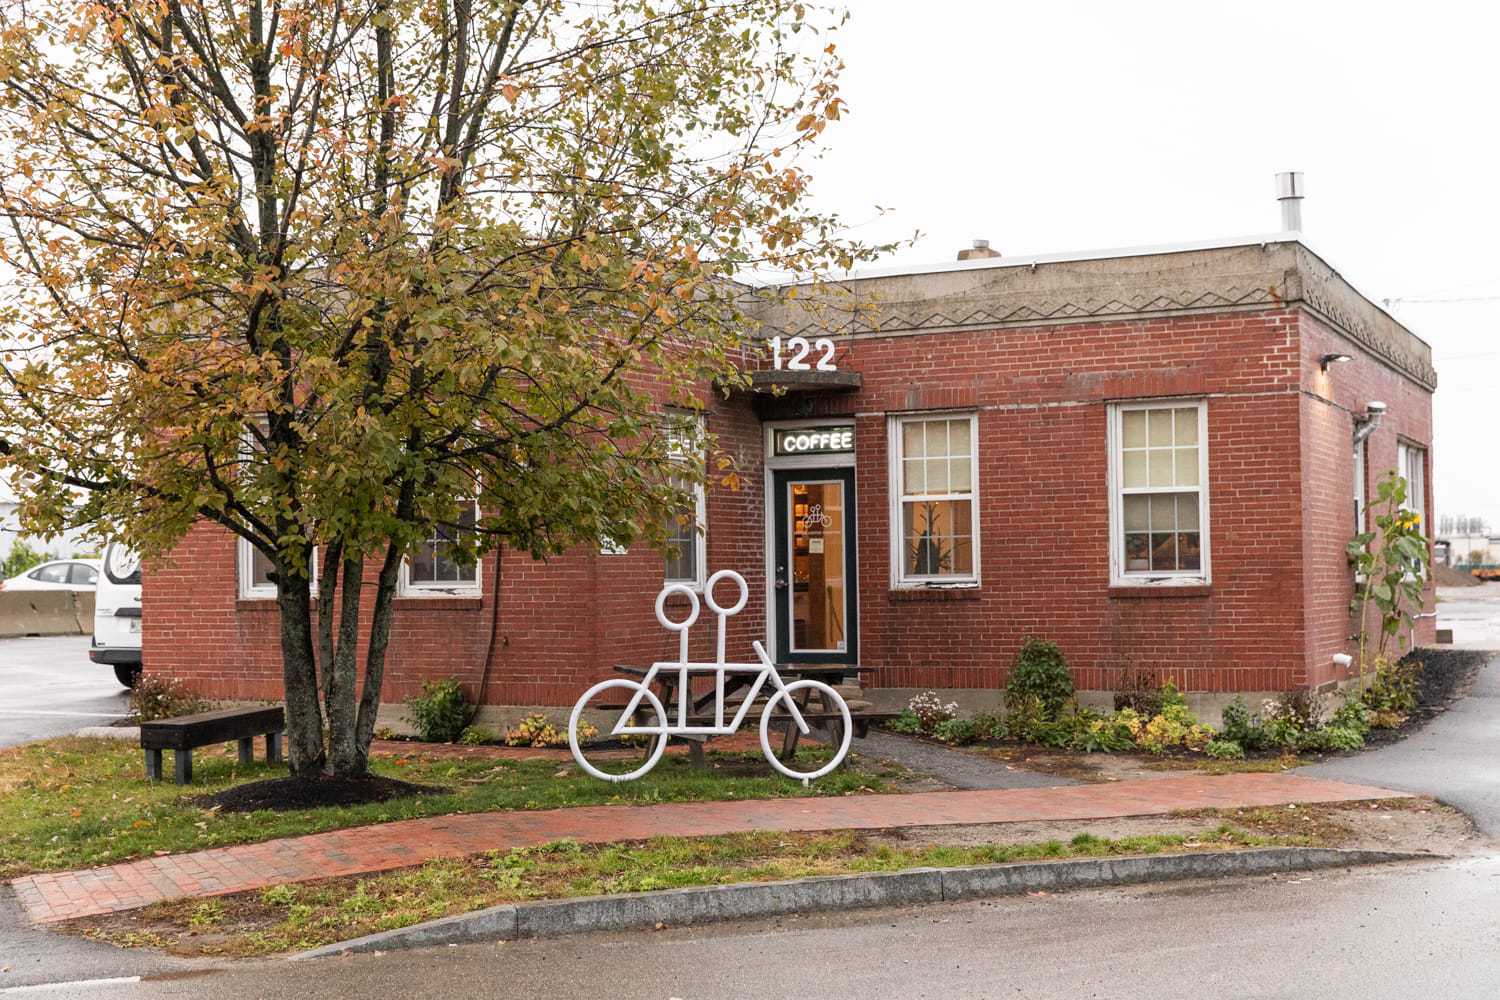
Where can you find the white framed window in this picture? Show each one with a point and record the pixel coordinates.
(934, 500)
(686, 559)
(433, 571)
(255, 570)
(1411, 465)
(1158, 492)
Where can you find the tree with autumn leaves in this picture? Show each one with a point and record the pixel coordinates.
(325, 272)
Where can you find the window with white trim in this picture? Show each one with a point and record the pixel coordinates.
(687, 527)
(1411, 465)
(935, 499)
(255, 569)
(434, 570)
(1158, 475)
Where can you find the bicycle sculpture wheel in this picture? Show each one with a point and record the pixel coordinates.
(635, 714)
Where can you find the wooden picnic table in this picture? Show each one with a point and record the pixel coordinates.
(701, 707)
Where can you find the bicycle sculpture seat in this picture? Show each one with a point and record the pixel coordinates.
(624, 723)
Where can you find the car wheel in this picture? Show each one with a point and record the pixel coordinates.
(127, 673)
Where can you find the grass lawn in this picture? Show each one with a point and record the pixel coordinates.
(73, 803)
(306, 915)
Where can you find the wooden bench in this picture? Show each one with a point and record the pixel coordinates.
(186, 733)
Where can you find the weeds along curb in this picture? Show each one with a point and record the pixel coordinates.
(708, 904)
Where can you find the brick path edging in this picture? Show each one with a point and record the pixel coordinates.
(57, 896)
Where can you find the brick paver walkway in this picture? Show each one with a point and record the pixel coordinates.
(65, 895)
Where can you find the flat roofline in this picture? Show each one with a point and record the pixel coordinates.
(1106, 253)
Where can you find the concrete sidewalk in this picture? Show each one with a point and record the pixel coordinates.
(359, 850)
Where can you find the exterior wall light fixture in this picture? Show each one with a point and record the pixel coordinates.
(1333, 359)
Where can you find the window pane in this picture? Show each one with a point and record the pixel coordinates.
(1136, 513)
(1135, 469)
(52, 574)
(959, 480)
(1135, 428)
(1160, 423)
(1161, 467)
(1188, 554)
(435, 562)
(958, 437)
(1163, 551)
(1187, 426)
(1163, 512)
(916, 476)
(1187, 511)
(1138, 551)
(937, 438)
(1187, 467)
(911, 439)
(261, 568)
(682, 546)
(937, 475)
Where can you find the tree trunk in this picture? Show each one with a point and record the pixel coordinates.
(349, 759)
(380, 638)
(299, 672)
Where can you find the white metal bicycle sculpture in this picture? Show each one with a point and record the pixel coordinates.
(640, 691)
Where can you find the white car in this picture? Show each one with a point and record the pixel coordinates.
(60, 574)
(117, 615)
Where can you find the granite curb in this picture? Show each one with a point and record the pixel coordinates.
(710, 904)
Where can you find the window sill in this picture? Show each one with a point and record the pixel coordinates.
(1149, 590)
(949, 592)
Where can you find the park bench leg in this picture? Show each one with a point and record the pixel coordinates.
(247, 750)
(695, 753)
(182, 767)
(273, 748)
(153, 765)
(793, 734)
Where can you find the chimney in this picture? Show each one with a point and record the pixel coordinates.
(979, 251)
(1290, 189)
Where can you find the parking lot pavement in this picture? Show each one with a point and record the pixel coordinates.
(48, 687)
(1473, 613)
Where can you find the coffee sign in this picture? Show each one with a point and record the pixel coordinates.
(829, 440)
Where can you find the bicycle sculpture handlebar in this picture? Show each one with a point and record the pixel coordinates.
(625, 726)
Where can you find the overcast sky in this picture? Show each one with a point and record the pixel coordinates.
(1080, 124)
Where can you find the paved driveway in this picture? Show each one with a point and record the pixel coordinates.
(48, 687)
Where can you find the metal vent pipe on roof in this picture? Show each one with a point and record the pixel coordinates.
(1290, 190)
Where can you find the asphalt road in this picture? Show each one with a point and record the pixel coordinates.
(48, 687)
(1429, 930)
(1455, 757)
(1473, 613)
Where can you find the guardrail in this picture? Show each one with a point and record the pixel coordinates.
(46, 612)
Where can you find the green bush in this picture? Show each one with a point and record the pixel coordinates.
(1140, 693)
(474, 736)
(955, 732)
(1239, 726)
(989, 726)
(1394, 687)
(906, 722)
(441, 712)
(1224, 750)
(1041, 673)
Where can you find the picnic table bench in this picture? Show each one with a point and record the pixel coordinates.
(186, 733)
(701, 708)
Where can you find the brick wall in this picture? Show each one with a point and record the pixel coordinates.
(1280, 478)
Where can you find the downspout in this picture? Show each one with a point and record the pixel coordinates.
(1365, 426)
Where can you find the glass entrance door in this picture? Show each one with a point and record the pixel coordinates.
(814, 566)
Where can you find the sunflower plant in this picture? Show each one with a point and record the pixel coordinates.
(1393, 567)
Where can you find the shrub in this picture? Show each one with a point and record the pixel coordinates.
(956, 732)
(1224, 750)
(1395, 686)
(1351, 715)
(473, 736)
(1140, 693)
(1239, 726)
(931, 710)
(1023, 718)
(441, 712)
(989, 726)
(906, 722)
(1097, 735)
(1040, 673)
(536, 730)
(155, 697)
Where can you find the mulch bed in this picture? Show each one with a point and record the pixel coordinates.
(281, 794)
(1447, 675)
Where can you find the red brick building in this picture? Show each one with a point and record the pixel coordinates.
(1148, 456)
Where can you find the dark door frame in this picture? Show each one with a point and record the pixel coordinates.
(782, 587)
